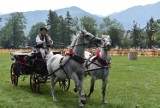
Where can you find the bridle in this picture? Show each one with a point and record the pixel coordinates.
(79, 59)
(83, 41)
(105, 46)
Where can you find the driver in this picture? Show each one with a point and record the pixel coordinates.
(43, 40)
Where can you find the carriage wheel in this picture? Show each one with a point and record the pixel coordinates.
(34, 83)
(14, 77)
(64, 84)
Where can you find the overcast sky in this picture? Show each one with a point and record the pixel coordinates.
(98, 7)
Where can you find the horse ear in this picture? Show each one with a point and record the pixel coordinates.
(83, 32)
(108, 36)
(103, 36)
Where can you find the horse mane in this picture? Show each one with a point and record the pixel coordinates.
(105, 36)
(74, 36)
(73, 40)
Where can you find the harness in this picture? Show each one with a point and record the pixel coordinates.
(71, 55)
(61, 66)
(103, 63)
(76, 58)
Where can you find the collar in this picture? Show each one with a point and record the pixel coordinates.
(69, 52)
(99, 59)
(76, 58)
(96, 56)
(103, 62)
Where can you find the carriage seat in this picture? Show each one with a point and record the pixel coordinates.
(34, 55)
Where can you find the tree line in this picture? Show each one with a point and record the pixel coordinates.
(60, 29)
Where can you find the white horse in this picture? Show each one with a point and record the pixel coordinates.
(101, 62)
(72, 65)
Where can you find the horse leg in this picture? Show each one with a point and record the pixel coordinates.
(53, 82)
(104, 83)
(83, 96)
(93, 79)
(79, 86)
(75, 88)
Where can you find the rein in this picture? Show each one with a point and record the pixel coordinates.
(79, 45)
(61, 67)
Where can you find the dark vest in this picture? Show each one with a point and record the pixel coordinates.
(46, 37)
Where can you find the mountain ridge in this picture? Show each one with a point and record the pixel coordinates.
(41, 16)
(140, 14)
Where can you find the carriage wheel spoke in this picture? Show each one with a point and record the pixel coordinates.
(34, 83)
(14, 77)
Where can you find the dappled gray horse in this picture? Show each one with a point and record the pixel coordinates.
(100, 64)
(71, 66)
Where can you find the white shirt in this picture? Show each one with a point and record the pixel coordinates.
(39, 41)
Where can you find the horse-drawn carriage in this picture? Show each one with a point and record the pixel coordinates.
(34, 65)
(62, 68)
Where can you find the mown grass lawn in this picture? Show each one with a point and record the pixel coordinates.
(132, 84)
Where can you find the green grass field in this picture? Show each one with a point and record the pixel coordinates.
(132, 84)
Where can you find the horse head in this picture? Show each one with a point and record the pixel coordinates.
(106, 42)
(90, 38)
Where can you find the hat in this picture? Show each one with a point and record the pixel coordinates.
(42, 28)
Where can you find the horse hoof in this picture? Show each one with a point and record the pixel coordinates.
(75, 90)
(54, 99)
(104, 102)
(81, 105)
(88, 95)
(83, 101)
